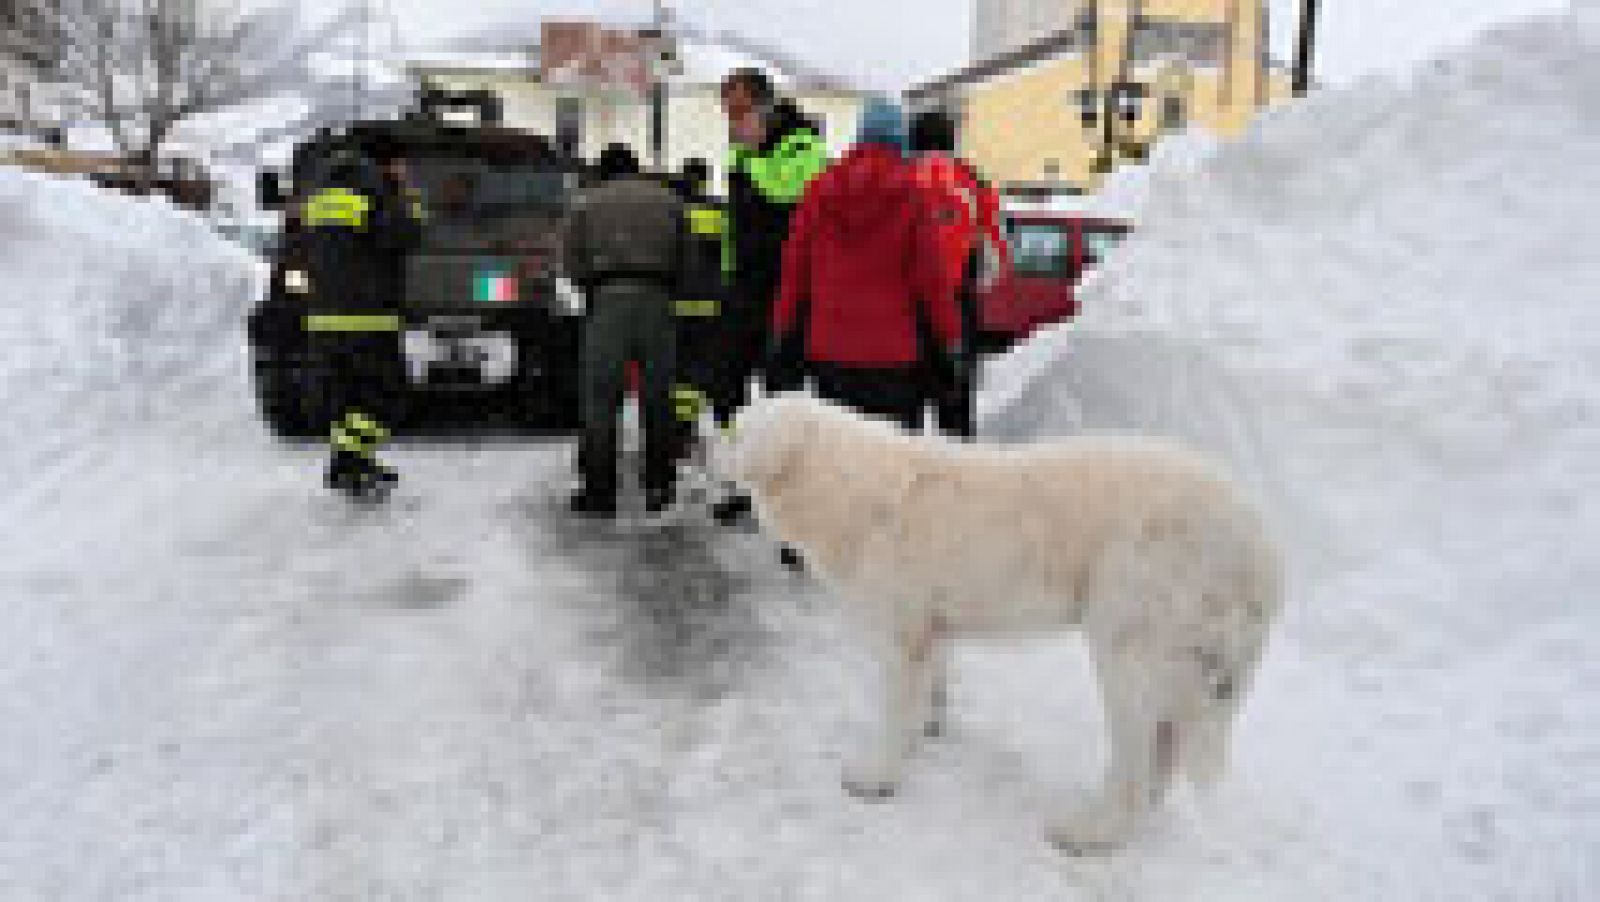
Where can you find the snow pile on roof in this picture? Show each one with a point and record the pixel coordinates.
(116, 307)
(705, 56)
(1381, 306)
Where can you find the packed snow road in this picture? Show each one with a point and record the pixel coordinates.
(223, 685)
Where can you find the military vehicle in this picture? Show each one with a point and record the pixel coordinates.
(486, 327)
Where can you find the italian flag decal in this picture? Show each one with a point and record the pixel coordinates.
(495, 284)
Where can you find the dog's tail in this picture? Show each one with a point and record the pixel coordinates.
(1227, 668)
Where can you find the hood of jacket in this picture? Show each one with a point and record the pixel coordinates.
(786, 119)
(869, 186)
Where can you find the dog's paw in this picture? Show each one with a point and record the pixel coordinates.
(869, 784)
(870, 792)
(1079, 847)
(1093, 833)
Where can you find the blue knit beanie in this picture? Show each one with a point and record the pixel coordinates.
(882, 122)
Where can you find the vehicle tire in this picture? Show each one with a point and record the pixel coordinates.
(551, 400)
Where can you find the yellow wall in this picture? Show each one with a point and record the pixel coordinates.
(1019, 124)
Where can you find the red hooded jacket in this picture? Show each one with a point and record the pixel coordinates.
(861, 259)
(968, 213)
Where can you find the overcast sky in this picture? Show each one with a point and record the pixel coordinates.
(890, 44)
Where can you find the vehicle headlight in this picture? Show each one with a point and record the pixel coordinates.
(296, 281)
(569, 298)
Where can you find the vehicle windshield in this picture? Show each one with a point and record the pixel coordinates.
(1040, 250)
(1098, 241)
(477, 188)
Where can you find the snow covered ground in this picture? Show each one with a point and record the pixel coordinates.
(218, 684)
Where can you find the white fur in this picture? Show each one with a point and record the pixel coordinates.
(1151, 551)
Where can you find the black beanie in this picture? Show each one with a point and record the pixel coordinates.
(933, 130)
(615, 161)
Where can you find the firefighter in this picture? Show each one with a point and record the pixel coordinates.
(775, 152)
(353, 230)
(698, 306)
(626, 241)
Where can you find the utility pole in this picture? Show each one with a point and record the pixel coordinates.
(1306, 47)
(661, 45)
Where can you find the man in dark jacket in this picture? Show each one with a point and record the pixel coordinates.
(351, 233)
(860, 270)
(625, 248)
(774, 154)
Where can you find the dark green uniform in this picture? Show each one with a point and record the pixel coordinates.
(625, 247)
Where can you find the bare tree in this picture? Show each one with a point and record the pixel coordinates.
(140, 68)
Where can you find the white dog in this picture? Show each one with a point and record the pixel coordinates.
(1150, 550)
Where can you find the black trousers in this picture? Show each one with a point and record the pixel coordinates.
(743, 346)
(363, 375)
(894, 393)
(953, 406)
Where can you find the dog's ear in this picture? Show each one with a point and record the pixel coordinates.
(770, 437)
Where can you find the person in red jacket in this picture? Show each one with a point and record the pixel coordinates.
(863, 267)
(973, 250)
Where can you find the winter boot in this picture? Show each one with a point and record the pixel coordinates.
(733, 510)
(658, 499)
(598, 505)
(358, 477)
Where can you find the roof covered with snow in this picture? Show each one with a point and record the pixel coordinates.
(705, 57)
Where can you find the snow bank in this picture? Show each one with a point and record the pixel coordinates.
(1380, 306)
(117, 308)
(1397, 282)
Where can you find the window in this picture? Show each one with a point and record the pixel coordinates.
(1040, 250)
(1200, 43)
(469, 187)
(1088, 103)
(1174, 114)
(1130, 100)
(569, 125)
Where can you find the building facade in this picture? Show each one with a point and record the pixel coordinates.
(1053, 114)
(1002, 25)
(583, 115)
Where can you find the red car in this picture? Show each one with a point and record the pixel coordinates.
(1050, 252)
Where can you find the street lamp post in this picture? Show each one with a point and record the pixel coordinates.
(663, 62)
